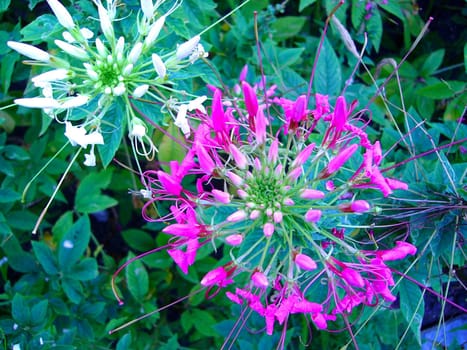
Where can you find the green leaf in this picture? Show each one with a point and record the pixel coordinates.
(73, 290)
(20, 310)
(62, 225)
(455, 108)
(137, 279)
(46, 258)
(138, 239)
(393, 7)
(74, 243)
(170, 147)
(8, 195)
(22, 220)
(412, 306)
(39, 312)
(328, 78)
(186, 320)
(112, 132)
(432, 63)
(442, 89)
(374, 29)
(41, 29)
(287, 27)
(357, 13)
(6, 70)
(88, 196)
(204, 322)
(465, 57)
(15, 153)
(304, 4)
(4, 5)
(84, 270)
(18, 259)
(125, 342)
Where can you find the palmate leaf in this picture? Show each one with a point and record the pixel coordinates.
(328, 78)
(74, 243)
(112, 132)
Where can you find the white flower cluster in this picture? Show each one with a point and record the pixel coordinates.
(105, 68)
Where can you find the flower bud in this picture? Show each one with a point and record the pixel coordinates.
(313, 215)
(305, 262)
(72, 50)
(62, 14)
(234, 240)
(184, 50)
(140, 91)
(268, 229)
(311, 194)
(159, 66)
(221, 196)
(29, 51)
(260, 280)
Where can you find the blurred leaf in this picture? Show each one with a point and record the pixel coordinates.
(74, 243)
(84, 270)
(4, 5)
(18, 259)
(39, 312)
(137, 279)
(393, 7)
(432, 63)
(20, 310)
(62, 225)
(88, 196)
(304, 4)
(112, 132)
(465, 57)
(357, 13)
(204, 322)
(45, 257)
(287, 27)
(7, 68)
(170, 148)
(455, 108)
(125, 342)
(8, 196)
(73, 290)
(442, 89)
(41, 29)
(374, 28)
(328, 78)
(138, 239)
(412, 306)
(22, 219)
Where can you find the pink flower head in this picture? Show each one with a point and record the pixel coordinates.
(400, 251)
(185, 259)
(169, 183)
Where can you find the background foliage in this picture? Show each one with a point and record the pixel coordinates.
(61, 298)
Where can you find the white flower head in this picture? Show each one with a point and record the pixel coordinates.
(29, 51)
(62, 14)
(186, 49)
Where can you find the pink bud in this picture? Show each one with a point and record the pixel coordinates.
(352, 277)
(234, 240)
(295, 173)
(303, 156)
(288, 202)
(311, 194)
(338, 161)
(242, 194)
(273, 151)
(305, 262)
(255, 214)
(238, 156)
(213, 277)
(236, 180)
(239, 215)
(259, 280)
(221, 196)
(396, 184)
(358, 206)
(400, 251)
(268, 229)
(277, 216)
(251, 101)
(260, 127)
(313, 215)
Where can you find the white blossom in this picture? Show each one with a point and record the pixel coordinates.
(29, 51)
(184, 50)
(62, 14)
(159, 66)
(37, 102)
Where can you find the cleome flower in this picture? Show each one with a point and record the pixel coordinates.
(91, 76)
(276, 191)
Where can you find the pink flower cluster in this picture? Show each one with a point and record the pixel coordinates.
(273, 181)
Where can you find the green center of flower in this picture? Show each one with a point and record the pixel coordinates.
(265, 190)
(109, 75)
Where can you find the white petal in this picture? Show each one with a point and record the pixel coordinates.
(140, 91)
(37, 102)
(75, 101)
(94, 138)
(159, 66)
(72, 50)
(86, 33)
(197, 103)
(52, 75)
(148, 8)
(90, 159)
(62, 14)
(76, 135)
(181, 120)
(29, 51)
(154, 31)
